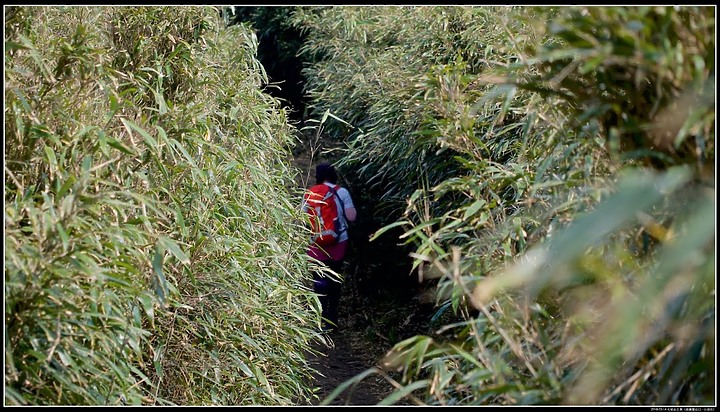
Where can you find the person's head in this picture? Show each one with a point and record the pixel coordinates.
(325, 172)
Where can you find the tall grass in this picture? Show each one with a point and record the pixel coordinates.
(150, 251)
(556, 183)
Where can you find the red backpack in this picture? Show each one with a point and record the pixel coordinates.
(324, 214)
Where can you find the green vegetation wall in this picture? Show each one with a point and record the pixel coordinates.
(152, 250)
(553, 171)
(278, 43)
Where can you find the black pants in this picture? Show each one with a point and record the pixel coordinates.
(328, 290)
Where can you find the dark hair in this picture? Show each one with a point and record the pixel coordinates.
(325, 172)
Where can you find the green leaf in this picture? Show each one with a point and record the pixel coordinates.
(404, 391)
(160, 100)
(149, 140)
(244, 368)
(159, 281)
(343, 386)
(50, 155)
(118, 145)
(148, 306)
(63, 236)
(11, 45)
(64, 188)
(470, 211)
(388, 227)
(184, 152)
(169, 244)
(467, 356)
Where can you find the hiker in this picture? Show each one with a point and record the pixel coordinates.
(333, 254)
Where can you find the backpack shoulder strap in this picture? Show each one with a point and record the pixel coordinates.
(334, 190)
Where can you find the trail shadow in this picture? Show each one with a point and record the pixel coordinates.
(342, 362)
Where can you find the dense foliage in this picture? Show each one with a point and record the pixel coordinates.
(278, 43)
(553, 170)
(150, 251)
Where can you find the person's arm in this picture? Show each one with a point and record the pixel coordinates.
(350, 214)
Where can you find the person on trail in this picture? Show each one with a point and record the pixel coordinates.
(333, 255)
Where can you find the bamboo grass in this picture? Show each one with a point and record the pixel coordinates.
(150, 254)
(550, 168)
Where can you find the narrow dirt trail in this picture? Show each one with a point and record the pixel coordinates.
(350, 350)
(349, 355)
(369, 303)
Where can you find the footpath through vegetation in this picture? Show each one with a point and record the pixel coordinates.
(550, 172)
(535, 189)
(360, 344)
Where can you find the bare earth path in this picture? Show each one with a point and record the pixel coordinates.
(357, 345)
(350, 352)
(349, 356)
